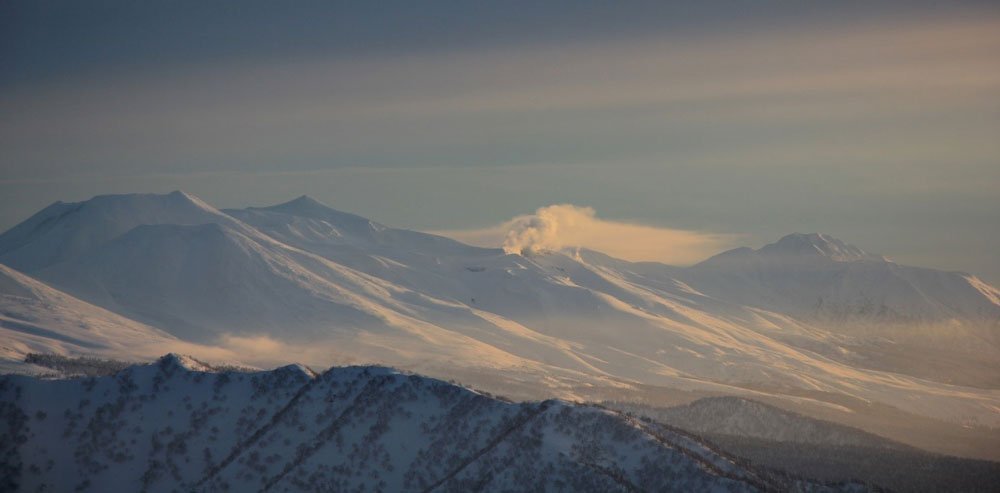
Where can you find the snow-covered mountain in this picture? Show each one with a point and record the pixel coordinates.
(181, 425)
(302, 278)
(63, 231)
(306, 223)
(820, 278)
(929, 323)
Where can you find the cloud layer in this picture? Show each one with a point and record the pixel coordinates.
(561, 226)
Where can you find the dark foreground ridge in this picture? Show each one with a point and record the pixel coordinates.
(770, 437)
(182, 425)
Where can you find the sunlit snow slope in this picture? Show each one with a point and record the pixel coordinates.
(35, 318)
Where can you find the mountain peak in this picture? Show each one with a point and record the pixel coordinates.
(181, 193)
(816, 244)
(795, 247)
(173, 361)
(308, 207)
(302, 205)
(144, 201)
(305, 200)
(64, 231)
(174, 197)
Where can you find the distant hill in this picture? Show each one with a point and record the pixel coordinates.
(774, 438)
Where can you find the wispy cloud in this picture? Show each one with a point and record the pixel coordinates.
(315, 108)
(561, 226)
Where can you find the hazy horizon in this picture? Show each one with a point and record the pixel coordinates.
(568, 226)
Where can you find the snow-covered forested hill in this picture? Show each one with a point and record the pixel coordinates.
(775, 438)
(808, 320)
(181, 425)
(731, 415)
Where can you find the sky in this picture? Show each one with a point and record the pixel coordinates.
(698, 127)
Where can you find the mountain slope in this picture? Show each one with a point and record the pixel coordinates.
(178, 424)
(200, 280)
(928, 323)
(306, 223)
(554, 296)
(669, 321)
(36, 318)
(823, 279)
(782, 440)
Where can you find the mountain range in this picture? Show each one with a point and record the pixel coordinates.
(808, 322)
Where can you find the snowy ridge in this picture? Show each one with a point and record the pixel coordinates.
(313, 226)
(177, 424)
(813, 244)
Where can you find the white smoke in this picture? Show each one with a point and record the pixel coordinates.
(549, 228)
(561, 226)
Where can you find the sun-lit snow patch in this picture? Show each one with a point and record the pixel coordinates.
(988, 291)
